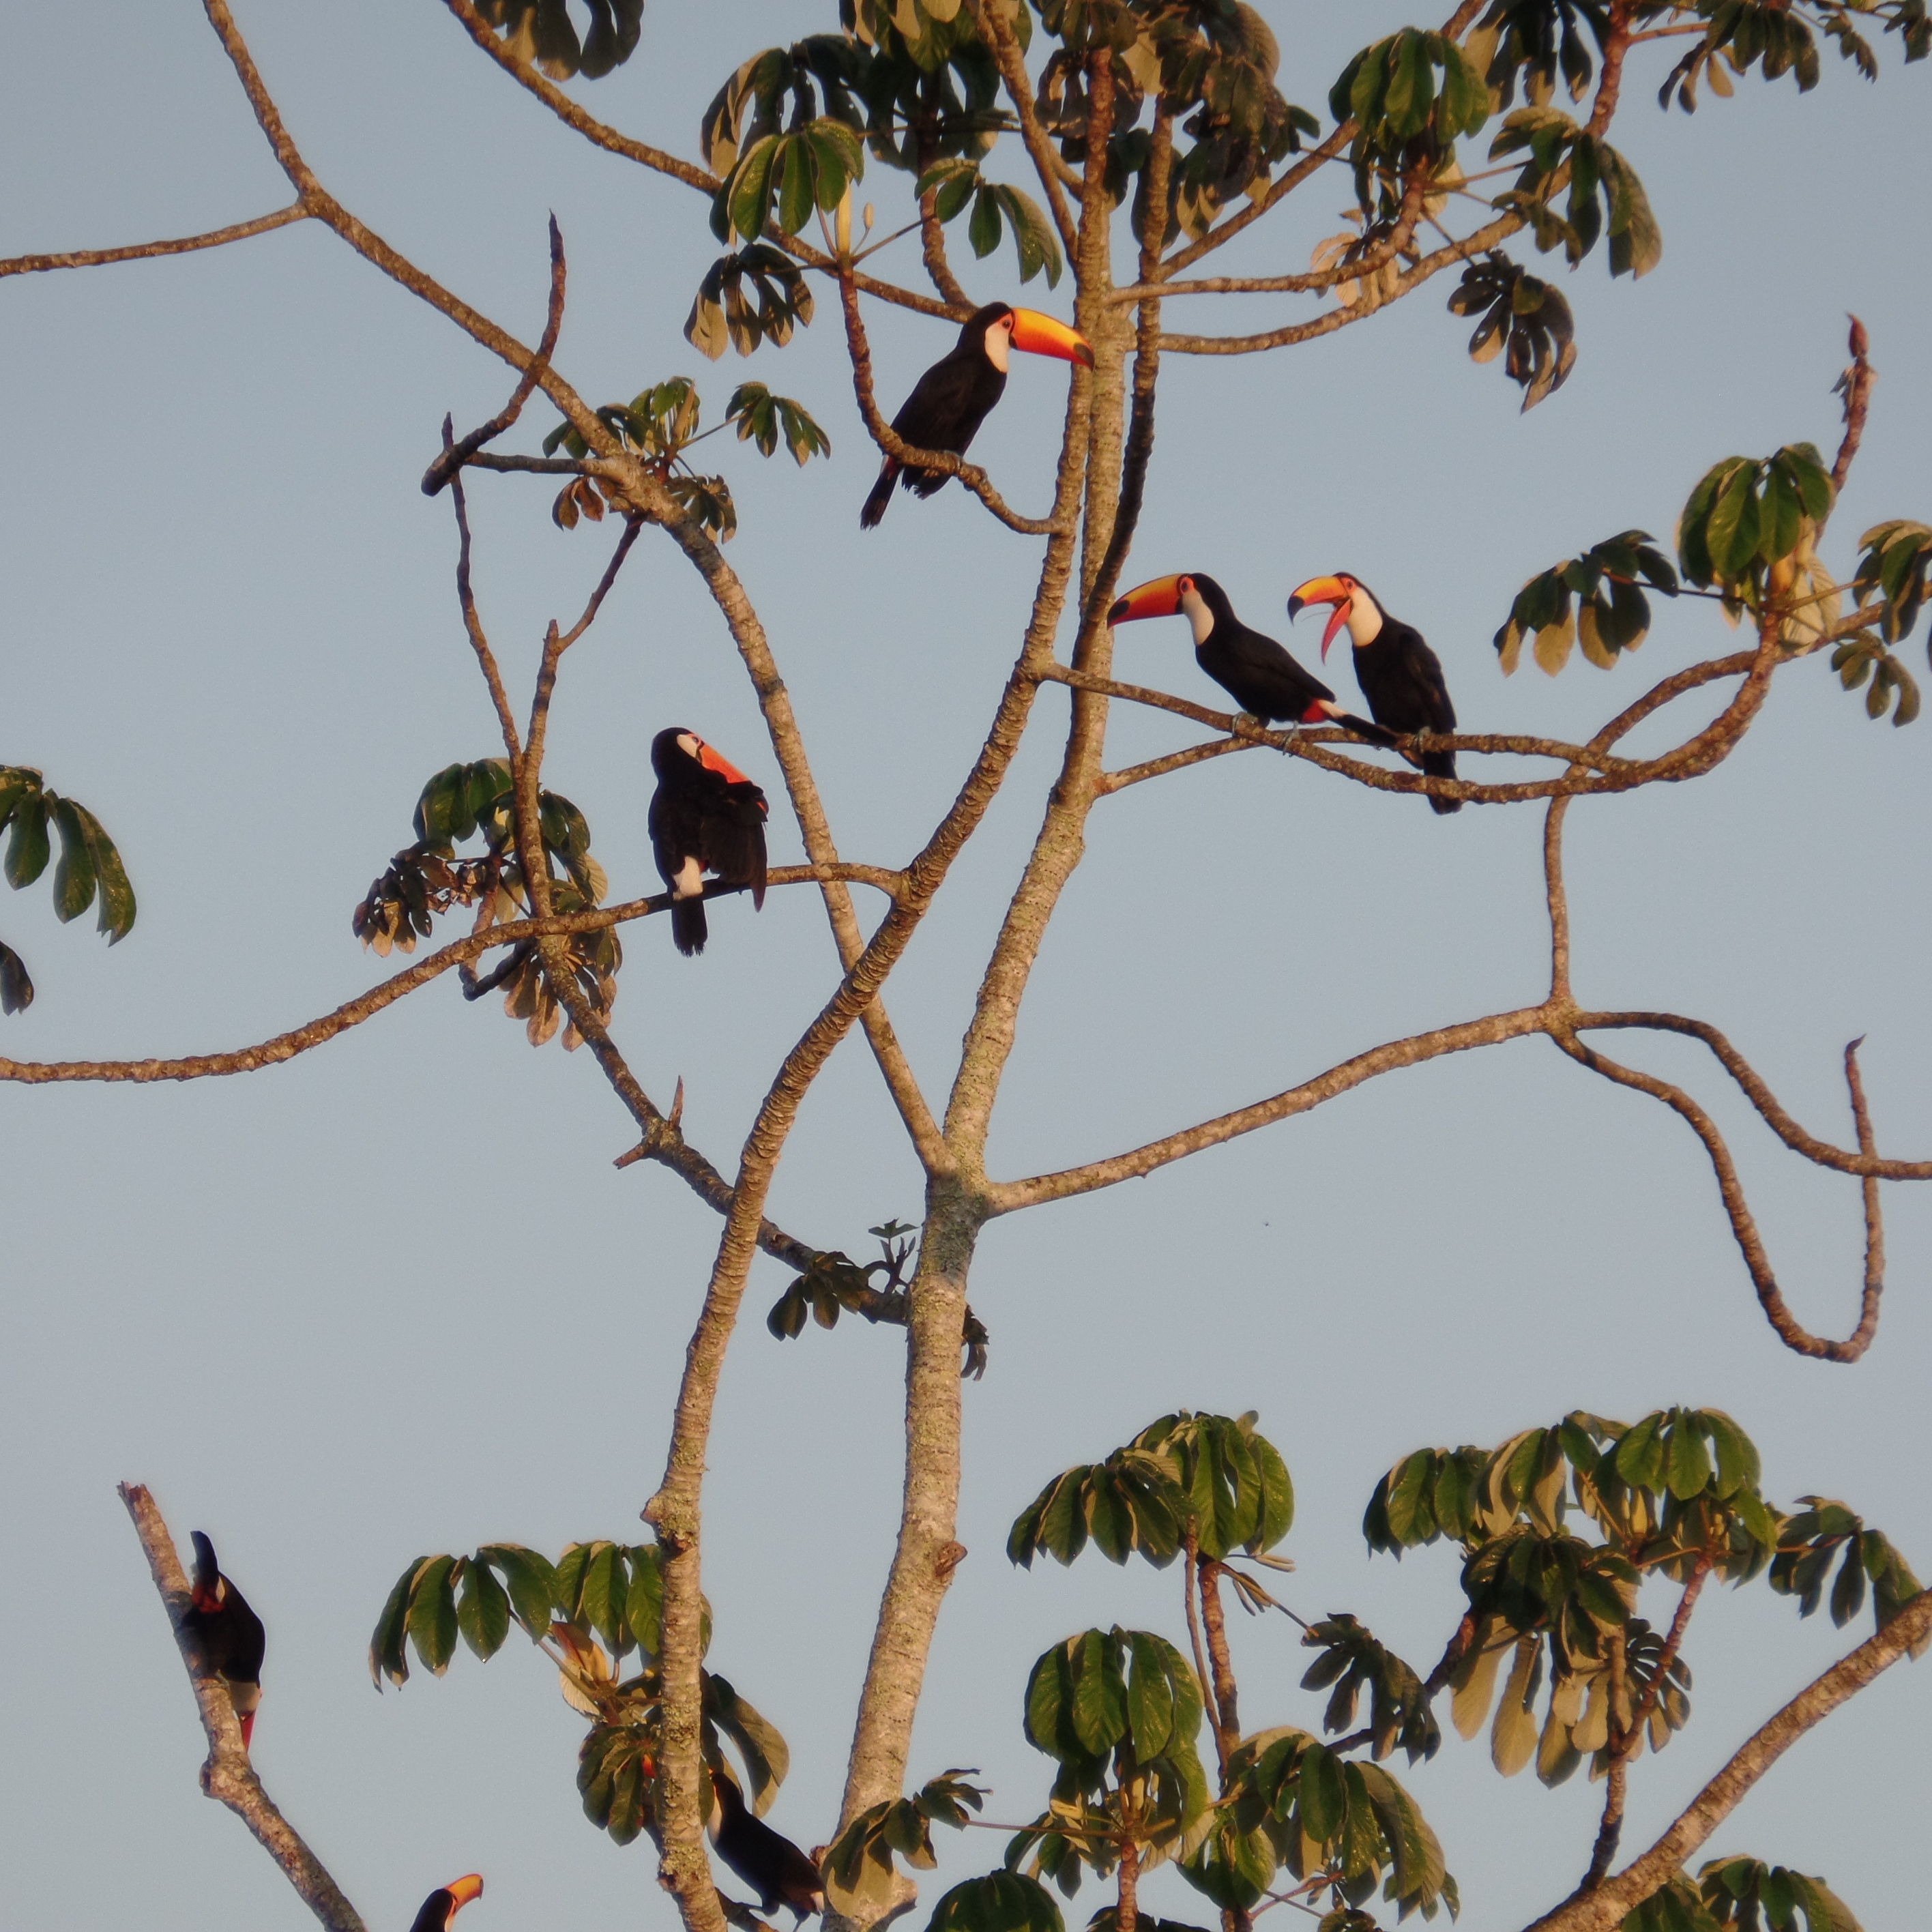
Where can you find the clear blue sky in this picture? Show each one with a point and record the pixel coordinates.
(392, 1298)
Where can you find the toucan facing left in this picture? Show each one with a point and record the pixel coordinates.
(954, 396)
(706, 816)
(232, 1640)
(443, 1904)
(1254, 670)
(1400, 675)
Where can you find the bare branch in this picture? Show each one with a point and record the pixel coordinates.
(1604, 1909)
(472, 623)
(454, 458)
(227, 1776)
(556, 642)
(1855, 385)
(297, 210)
(889, 440)
(1157, 768)
(1744, 1226)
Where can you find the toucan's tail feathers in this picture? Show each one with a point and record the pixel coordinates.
(1362, 728)
(882, 494)
(688, 926)
(1441, 765)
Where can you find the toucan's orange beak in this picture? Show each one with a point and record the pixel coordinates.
(1040, 335)
(463, 1890)
(715, 761)
(1323, 590)
(1159, 598)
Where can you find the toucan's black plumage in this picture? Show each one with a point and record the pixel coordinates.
(231, 1637)
(1254, 670)
(769, 1862)
(444, 1904)
(951, 400)
(1400, 675)
(706, 816)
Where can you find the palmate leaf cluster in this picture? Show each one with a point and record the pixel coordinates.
(1292, 1803)
(1524, 319)
(600, 1602)
(1743, 1894)
(1610, 614)
(1215, 1473)
(1777, 38)
(542, 33)
(858, 1866)
(661, 423)
(89, 870)
(426, 878)
(1606, 199)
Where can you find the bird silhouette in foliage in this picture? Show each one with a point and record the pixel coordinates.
(769, 1862)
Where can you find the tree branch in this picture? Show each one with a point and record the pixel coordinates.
(297, 210)
(454, 456)
(889, 440)
(1604, 1910)
(227, 1776)
(1856, 385)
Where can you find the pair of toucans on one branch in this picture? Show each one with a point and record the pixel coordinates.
(1398, 674)
(232, 1643)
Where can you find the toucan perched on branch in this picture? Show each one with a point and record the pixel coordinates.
(769, 1862)
(443, 1905)
(706, 816)
(1254, 670)
(951, 400)
(232, 1639)
(1400, 675)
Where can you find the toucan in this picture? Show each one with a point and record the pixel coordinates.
(231, 1636)
(950, 401)
(706, 816)
(769, 1862)
(443, 1904)
(1253, 670)
(1400, 675)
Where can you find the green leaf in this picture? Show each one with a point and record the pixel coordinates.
(983, 230)
(532, 1583)
(74, 877)
(16, 986)
(386, 1655)
(116, 895)
(28, 849)
(483, 1612)
(643, 1609)
(433, 1625)
(1690, 1462)
(1001, 1901)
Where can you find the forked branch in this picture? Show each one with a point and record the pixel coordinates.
(227, 1776)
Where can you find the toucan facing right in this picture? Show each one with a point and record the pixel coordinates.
(954, 396)
(231, 1638)
(443, 1905)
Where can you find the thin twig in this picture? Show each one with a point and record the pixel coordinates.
(297, 210)
(1856, 385)
(455, 456)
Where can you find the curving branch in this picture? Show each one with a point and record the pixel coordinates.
(1743, 1226)
(228, 1776)
(1604, 1909)
(297, 210)
(455, 455)
(895, 446)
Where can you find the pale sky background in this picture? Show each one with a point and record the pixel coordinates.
(392, 1298)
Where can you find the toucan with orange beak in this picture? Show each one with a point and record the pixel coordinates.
(706, 816)
(1400, 675)
(444, 1904)
(232, 1639)
(769, 1862)
(953, 397)
(1261, 677)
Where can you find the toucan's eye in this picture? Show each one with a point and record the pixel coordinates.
(1186, 585)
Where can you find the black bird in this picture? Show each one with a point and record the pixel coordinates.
(706, 816)
(232, 1640)
(1254, 670)
(1400, 675)
(443, 1905)
(950, 401)
(769, 1862)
